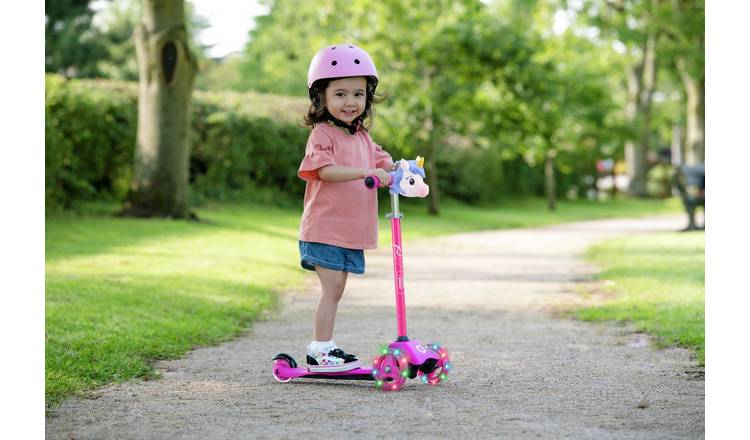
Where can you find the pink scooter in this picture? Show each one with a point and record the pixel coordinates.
(403, 357)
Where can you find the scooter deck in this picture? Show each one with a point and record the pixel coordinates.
(304, 373)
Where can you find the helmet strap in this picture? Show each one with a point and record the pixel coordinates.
(352, 128)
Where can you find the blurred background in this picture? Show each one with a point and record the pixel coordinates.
(579, 99)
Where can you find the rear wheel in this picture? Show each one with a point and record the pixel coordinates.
(280, 362)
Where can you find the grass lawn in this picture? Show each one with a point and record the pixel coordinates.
(658, 281)
(123, 292)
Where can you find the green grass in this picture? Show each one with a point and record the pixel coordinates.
(123, 292)
(658, 282)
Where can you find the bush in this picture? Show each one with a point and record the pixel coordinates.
(89, 140)
(232, 154)
(472, 175)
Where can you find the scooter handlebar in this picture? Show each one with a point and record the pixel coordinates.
(374, 182)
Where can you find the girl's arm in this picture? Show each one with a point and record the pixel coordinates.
(336, 173)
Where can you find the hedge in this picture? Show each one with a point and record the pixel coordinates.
(89, 140)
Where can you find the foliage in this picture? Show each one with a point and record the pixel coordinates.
(683, 25)
(219, 74)
(281, 44)
(115, 23)
(89, 140)
(239, 148)
(72, 47)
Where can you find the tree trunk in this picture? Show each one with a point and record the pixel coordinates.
(677, 151)
(696, 116)
(549, 179)
(642, 81)
(428, 134)
(167, 69)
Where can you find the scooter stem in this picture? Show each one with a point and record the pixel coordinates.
(398, 267)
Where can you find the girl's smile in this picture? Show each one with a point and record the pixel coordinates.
(346, 98)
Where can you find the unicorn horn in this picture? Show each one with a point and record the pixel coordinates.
(420, 161)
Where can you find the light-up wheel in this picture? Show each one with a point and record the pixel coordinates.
(442, 367)
(390, 370)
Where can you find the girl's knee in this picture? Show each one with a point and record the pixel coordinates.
(332, 289)
(335, 291)
(333, 283)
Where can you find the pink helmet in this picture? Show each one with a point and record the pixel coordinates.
(340, 61)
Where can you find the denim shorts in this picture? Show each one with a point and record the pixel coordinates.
(331, 257)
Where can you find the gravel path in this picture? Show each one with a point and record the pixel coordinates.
(521, 370)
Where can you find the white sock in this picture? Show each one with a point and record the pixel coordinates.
(321, 346)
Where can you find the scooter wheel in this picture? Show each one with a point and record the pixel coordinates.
(442, 367)
(278, 364)
(390, 371)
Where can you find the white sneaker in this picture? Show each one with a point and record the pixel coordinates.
(335, 359)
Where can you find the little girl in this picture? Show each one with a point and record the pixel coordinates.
(340, 216)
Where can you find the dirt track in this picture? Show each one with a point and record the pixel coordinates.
(521, 371)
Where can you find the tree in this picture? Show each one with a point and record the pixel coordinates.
(167, 69)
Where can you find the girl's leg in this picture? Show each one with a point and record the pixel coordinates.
(332, 283)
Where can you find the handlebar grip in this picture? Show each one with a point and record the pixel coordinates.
(372, 182)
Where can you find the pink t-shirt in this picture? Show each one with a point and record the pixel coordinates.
(343, 214)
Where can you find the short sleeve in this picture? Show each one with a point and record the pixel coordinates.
(382, 159)
(318, 153)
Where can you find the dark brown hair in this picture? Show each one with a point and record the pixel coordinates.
(319, 113)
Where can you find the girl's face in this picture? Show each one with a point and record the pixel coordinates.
(346, 98)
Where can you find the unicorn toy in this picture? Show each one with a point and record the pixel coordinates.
(407, 180)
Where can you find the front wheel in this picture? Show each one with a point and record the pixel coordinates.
(442, 367)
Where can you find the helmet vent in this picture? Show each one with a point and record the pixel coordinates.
(356, 61)
(333, 63)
